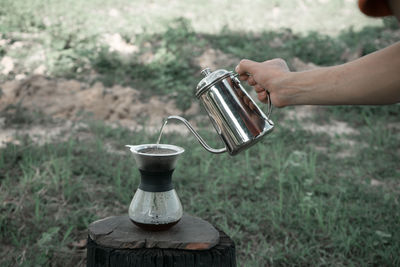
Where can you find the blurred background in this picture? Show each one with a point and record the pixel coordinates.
(81, 79)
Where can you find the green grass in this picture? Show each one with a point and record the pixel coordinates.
(285, 203)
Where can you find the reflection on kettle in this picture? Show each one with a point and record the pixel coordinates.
(235, 116)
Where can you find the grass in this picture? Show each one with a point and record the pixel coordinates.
(298, 198)
(285, 203)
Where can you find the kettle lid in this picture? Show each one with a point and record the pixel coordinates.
(210, 79)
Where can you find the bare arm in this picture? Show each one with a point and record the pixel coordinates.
(372, 79)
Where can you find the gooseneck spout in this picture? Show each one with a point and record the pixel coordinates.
(193, 131)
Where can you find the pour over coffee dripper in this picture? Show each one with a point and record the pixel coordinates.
(155, 205)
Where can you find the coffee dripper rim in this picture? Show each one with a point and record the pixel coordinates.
(137, 148)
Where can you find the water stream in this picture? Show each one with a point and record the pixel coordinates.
(179, 118)
(161, 132)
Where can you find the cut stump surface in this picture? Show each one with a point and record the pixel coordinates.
(193, 242)
(190, 233)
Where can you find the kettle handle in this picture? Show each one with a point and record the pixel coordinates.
(269, 103)
(269, 111)
(201, 140)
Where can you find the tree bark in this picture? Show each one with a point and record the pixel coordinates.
(223, 254)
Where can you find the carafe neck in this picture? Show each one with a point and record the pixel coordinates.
(156, 181)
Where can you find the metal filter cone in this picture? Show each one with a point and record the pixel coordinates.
(156, 158)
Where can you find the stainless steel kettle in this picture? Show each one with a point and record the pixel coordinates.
(235, 116)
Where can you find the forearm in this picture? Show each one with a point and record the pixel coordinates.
(372, 79)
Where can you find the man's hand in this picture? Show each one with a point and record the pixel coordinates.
(265, 76)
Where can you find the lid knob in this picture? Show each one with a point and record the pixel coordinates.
(206, 71)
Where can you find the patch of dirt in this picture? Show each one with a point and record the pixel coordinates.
(118, 44)
(7, 65)
(376, 182)
(40, 134)
(334, 128)
(301, 112)
(71, 99)
(216, 59)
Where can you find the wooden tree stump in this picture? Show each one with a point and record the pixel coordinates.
(116, 241)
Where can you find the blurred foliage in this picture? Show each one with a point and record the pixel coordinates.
(169, 71)
(164, 62)
(391, 23)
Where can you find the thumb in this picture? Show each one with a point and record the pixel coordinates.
(246, 66)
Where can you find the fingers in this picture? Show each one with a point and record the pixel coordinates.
(245, 66)
(258, 88)
(262, 96)
(243, 77)
(251, 81)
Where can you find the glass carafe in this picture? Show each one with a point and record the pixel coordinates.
(155, 205)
